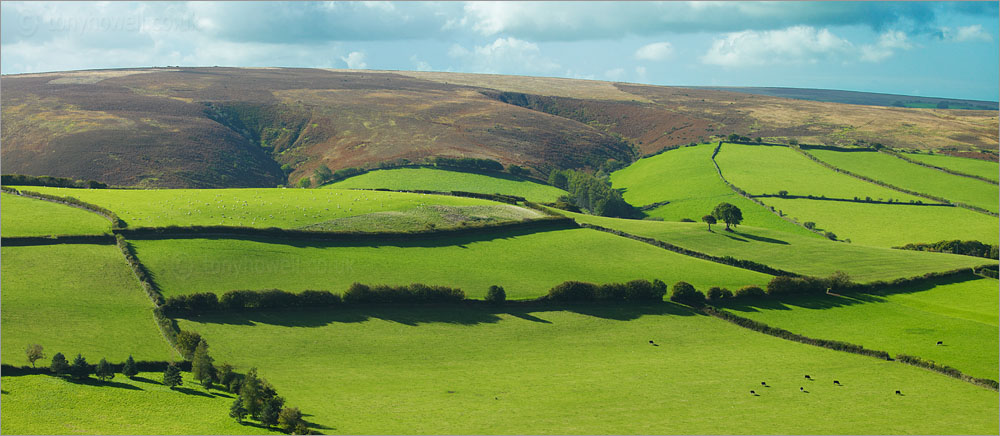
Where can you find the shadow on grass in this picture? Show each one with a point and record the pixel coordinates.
(461, 314)
(146, 380)
(311, 424)
(103, 384)
(190, 391)
(762, 239)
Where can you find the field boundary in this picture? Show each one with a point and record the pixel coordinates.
(893, 187)
(848, 200)
(946, 170)
(116, 222)
(780, 333)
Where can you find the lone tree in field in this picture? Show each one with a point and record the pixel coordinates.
(708, 219)
(34, 353)
(172, 376)
(104, 371)
(59, 364)
(729, 214)
(129, 369)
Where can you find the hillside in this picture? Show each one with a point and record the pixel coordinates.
(262, 127)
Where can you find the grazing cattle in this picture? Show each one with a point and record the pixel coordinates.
(899, 393)
(836, 382)
(651, 342)
(753, 393)
(807, 376)
(940, 343)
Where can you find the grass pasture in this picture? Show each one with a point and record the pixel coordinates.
(898, 172)
(433, 179)
(687, 179)
(30, 217)
(527, 265)
(791, 252)
(587, 371)
(255, 207)
(42, 404)
(76, 299)
(962, 314)
(765, 170)
(976, 167)
(890, 225)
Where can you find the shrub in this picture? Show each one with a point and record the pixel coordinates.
(782, 285)
(687, 220)
(830, 235)
(716, 293)
(809, 225)
(610, 292)
(358, 293)
(573, 291)
(750, 292)
(496, 294)
(839, 280)
(643, 290)
(685, 293)
(318, 299)
(187, 341)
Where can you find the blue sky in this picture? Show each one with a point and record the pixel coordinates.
(936, 49)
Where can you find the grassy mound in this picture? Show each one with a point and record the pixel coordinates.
(792, 252)
(432, 179)
(29, 217)
(76, 299)
(898, 172)
(961, 314)
(590, 371)
(526, 265)
(687, 179)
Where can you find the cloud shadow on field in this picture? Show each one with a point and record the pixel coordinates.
(415, 315)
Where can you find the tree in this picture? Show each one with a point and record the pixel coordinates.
(496, 294)
(201, 365)
(304, 182)
(685, 293)
(558, 179)
(237, 410)
(34, 353)
(129, 369)
(104, 371)
(322, 174)
(187, 341)
(708, 219)
(289, 419)
(226, 375)
(172, 376)
(782, 193)
(272, 409)
(79, 369)
(59, 364)
(251, 393)
(729, 214)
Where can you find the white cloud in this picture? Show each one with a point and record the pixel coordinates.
(656, 51)
(798, 44)
(355, 60)
(419, 64)
(615, 74)
(886, 46)
(505, 55)
(967, 33)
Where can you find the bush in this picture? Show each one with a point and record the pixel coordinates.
(643, 290)
(783, 285)
(809, 225)
(59, 365)
(318, 299)
(716, 294)
(750, 292)
(830, 235)
(496, 294)
(573, 291)
(685, 293)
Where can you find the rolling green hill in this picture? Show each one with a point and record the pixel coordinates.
(976, 167)
(898, 172)
(29, 217)
(433, 179)
(526, 265)
(76, 299)
(687, 179)
(590, 371)
(792, 252)
(961, 314)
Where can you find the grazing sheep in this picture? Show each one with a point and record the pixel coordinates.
(801, 389)
(836, 382)
(753, 393)
(899, 393)
(807, 376)
(940, 343)
(763, 383)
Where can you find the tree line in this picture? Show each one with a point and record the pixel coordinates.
(591, 193)
(58, 182)
(955, 246)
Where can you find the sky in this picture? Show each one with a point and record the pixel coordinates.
(933, 49)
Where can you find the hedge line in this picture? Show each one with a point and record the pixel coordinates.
(946, 170)
(785, 334)
(633, 291)
(116, 222)
(175, 232)
(947, 370)
(21, 241)
(955, 246)
(167, 326)
(61, 182)
(141, 365)
(867, 200)
(893, 187)
(726, 260)
(502, 198)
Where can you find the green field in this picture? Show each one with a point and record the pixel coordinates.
(890, 225)
(765, 170)
(898, 172)
(526, 265)
(256, 207)
(961, 314)
(976, 167)
(29, 217)
(687, 179)
(432, 179)
(790, 252)
(591, 371)
(75, 299)
(42, 404)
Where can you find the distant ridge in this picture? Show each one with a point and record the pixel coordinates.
(862, 98)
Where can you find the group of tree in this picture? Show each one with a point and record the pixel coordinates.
(685, 293)
(733, 137)
(59, 182)
(257, 399)
(79, 369)
(466, 163)
(591, 193)
(633, 291)
(966, 248)
(725, 212)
